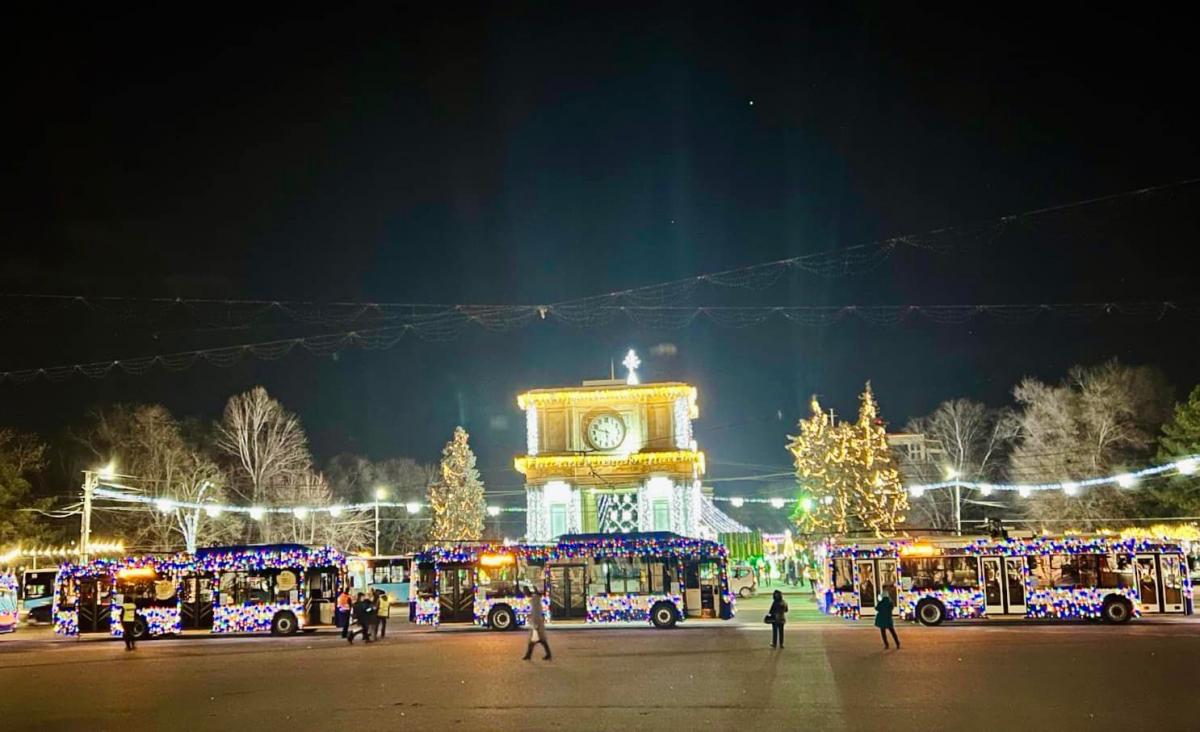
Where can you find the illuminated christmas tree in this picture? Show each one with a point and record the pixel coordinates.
(456, 497)
(824, 496)
(879, 496)
(848, 479)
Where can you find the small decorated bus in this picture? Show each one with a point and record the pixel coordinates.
(281, 588)
(657, 578)
(934, 579)
(8, 602)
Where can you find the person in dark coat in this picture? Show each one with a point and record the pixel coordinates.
(778, 615)
(364, 612)
(883, 620)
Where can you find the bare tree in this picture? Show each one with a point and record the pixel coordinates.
(355, 478)
(158, 462)
(1098, 420)
(267, 446)
(303, 491)
(974, 442)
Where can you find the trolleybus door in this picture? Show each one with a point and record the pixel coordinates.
(1148, 583)
(568, 591)
(1014, 585)
(93, 606)
(702, 592)
(1173, 568)
(456, 593)
(993, 585)
(196, 603)
(1003, 585)
(868, 586)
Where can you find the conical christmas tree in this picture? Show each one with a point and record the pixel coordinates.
(456, 497)
(879, 497)
(823, 499)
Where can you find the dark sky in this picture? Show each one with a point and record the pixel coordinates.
(525, 154)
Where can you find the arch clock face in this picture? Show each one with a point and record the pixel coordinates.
(605, 431)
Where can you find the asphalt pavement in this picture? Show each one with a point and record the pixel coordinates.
(710, 675)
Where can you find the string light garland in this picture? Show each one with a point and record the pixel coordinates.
(257, 512)
(1183, 466)
(504, 318)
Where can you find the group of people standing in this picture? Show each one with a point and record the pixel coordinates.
(365, 616)
(777, 618)
(791, 571)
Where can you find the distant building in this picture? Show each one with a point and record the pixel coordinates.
(920, 457)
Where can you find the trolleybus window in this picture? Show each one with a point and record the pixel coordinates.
(658, 579)
(929, 573)
(1081, 570)
(843, 574)
(496, 581)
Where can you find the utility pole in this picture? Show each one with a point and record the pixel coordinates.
(376, 528)
(90, 481)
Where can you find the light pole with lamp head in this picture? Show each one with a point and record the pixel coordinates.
(380, 494)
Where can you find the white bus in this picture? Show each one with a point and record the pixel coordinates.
(658, 578)
(934, 579)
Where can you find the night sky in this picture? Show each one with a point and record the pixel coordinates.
(530, 154)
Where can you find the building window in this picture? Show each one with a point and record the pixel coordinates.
(662, 515)
(558, 519)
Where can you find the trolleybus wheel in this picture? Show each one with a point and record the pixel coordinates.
(663, 615)
(1117, 610)
(284, 624)
(930, 612)
(501, 618)
(140, 630)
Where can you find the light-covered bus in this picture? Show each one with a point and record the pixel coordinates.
(933, 579)
(657, 578)
(280, 588)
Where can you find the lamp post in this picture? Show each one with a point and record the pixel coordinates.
(91, 479)
(380, 494)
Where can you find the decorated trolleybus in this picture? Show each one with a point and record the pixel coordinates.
(934, 579)
(658, 578)
(281, 588)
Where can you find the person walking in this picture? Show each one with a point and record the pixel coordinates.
(363, 610)
(537, 626)
(343, 612)
(791, 571)
(884, 621)
(129, 622)
(777, 617)
(383, 611)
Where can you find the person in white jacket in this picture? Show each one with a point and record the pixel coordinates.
(537, 625)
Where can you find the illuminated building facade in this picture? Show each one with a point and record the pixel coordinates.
(612, 457)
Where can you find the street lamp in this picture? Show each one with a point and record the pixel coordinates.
(380, 494)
